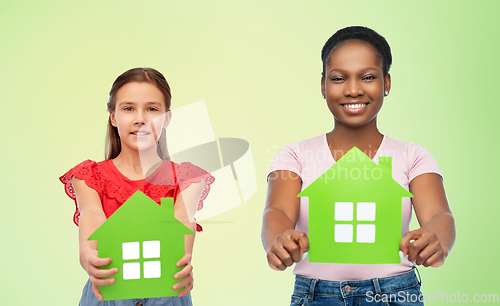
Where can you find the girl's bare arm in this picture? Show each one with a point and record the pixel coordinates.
(91, 217)
(184, 210)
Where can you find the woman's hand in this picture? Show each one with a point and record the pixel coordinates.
(423, 248)
(187, 273)
(288, 248)
(91, 263)
(430, 244)
(282, 243)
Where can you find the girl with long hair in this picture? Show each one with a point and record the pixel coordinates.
(136, 159)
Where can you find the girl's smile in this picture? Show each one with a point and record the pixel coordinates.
(139, 133)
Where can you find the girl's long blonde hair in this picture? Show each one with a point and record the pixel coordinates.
(149, 75)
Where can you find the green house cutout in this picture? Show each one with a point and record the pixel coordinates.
(355, 212)
(145, 241)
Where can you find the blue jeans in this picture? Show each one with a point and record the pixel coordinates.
(402, 289)
(89, 299)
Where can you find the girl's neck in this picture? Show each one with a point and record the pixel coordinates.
(135, 164)
(341, 139)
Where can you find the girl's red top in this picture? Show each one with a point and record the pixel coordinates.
(114, 188)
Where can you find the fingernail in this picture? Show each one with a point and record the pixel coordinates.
(305, 255)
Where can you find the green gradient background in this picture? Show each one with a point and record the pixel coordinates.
(257, 65)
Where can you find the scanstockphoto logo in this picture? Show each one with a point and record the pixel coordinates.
(340, 173)
(431, 297)
(354, 173)
(320, 155)
(190, 138)
(351, 165)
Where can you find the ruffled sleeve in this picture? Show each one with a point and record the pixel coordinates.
(188, 173)
(88, 172)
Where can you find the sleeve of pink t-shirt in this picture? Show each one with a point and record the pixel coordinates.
(421, 161)
(288, 158)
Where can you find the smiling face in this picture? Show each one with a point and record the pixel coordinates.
(140, 114)
(354, 85)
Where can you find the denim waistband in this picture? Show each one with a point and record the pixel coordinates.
(357, 287)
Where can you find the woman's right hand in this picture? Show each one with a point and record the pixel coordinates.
(288, 248)
(283, 244)
(91, 263)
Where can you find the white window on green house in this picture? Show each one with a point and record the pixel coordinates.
(131, 251)
(344, 212)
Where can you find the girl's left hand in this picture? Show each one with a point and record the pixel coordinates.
(426, 249)
(187, 273)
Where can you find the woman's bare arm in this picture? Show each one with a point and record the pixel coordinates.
(282, 243)
(433, 241)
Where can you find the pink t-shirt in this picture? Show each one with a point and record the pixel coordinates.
(312, 157)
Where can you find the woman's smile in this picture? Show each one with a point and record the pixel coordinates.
(354, 108)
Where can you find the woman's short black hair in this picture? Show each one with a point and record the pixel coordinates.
(364, 34)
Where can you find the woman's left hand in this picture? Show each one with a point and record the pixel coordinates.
(425, 249)
(187, 273)
(430, 244)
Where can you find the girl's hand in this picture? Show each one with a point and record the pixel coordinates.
(187, 273)
(425, 249)
(91, 264)
(288, 248)
(91, 217)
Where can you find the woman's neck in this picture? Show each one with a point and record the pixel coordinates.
(341, 139)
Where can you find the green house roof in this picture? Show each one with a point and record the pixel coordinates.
(356, 174)
(140, 216)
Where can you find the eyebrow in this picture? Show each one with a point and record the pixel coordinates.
(362, 70)
(133, 103)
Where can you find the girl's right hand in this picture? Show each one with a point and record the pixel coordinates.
(91, 264)
(288, 248)
(91, 217)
